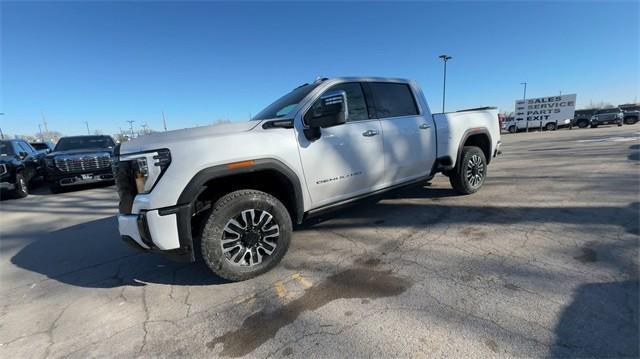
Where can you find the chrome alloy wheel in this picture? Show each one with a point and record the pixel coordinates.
(23, 185)
(250, 237)
(475, 171)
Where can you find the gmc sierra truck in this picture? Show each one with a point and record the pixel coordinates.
(78, 160)
(235, 190)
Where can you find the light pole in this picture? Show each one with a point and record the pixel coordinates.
(87, 124)
(164, 122)
(1, 134)
(444, 58)
(131, 126)
(524, 103)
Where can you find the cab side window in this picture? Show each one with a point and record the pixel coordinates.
(393, 99)
(356, 104)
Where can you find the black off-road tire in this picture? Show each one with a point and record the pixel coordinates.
(230, 206)
(583, 124)
(55, 188)
(22, 186)
(459, 177)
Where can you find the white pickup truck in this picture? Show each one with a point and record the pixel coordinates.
(235, 190)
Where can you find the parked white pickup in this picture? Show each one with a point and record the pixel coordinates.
(238, 188)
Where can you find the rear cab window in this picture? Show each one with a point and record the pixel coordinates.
(392, 99)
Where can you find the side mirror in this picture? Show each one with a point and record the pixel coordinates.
(23, 154)
(330, 110)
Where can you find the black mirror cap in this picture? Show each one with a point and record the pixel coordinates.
(23, 154)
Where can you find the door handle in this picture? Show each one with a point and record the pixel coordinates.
(369, 133)
(424, 126)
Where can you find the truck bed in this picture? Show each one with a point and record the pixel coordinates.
(451, 127)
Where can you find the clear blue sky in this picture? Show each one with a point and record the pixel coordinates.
(111, 62)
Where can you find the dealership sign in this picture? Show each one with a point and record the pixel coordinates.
(546, 109)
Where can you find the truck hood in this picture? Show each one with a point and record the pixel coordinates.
(165, 139)
(6, 159)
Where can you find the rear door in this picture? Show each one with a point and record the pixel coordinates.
(347, 160)
(606, 116)
(408, 133)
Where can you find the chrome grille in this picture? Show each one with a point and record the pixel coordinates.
(83, 163)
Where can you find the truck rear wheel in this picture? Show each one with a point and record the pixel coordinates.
(550, 126)
(512, 129)
(247, 234)
(470, 172)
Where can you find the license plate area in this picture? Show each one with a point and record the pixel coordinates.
(86, 176)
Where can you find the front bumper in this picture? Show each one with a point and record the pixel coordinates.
(7, 186)
(74, 179)
(167, 231)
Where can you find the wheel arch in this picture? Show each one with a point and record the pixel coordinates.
(479, 137)
(269, 175)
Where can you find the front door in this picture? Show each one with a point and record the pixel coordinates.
(347, 160)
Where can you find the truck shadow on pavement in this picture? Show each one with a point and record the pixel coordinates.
(92, 255)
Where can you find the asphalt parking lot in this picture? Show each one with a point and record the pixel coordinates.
(543, 261)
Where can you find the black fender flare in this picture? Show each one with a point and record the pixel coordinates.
(197, 184)
(470, 132)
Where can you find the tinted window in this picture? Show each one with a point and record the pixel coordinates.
(392, 99)
(285, 104)
(26, 147)
(82, 142)
(356, 104)
(39, 146)
(6, 149)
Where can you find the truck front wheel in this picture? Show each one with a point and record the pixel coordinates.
(470, 172)
(247, 234)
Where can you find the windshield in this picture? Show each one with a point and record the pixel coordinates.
(79, 143)
(39, 146)
(285, 104)
(6, 149)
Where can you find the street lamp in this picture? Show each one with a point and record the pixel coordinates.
(444, 58)
(524, 100)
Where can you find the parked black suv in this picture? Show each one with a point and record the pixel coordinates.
(631, 113)
(582, 118)
(607, 116)
(79, 160)
(19, 165)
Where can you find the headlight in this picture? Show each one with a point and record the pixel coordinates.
(148, 167)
